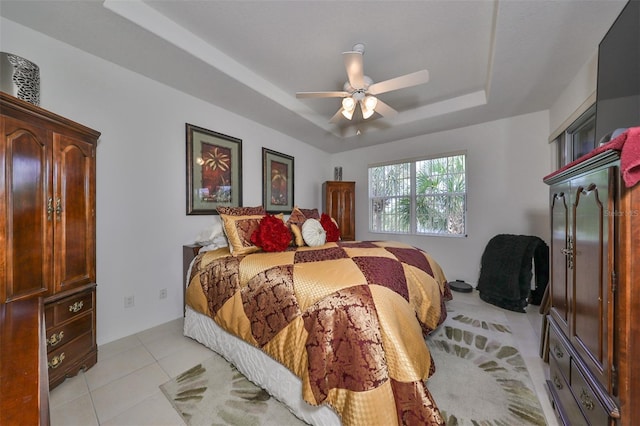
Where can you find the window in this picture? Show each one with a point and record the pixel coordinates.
(424, 197)
(582, 134)
(577, 140)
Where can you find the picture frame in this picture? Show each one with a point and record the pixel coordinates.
(277, 181)
(214, 171)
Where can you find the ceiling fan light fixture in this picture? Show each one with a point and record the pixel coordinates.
(368, 106)
(348, 104)
(366, 112)
(347, 114)
(371, 102)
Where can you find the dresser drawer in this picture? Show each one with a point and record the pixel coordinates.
(65, 309)
(61, 335)
(587, 400)
(559, 352)
(65, 356)
(565, 405)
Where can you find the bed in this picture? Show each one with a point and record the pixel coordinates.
(335, 332)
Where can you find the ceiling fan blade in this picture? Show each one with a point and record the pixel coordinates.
(385, 110)
(408, 80)
(337, 116)
(355, 72)
(322, 94)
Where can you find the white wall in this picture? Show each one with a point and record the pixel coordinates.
(576, 98)
(506, 161)
(141, 172)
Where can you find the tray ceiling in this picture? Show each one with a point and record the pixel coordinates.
(487, 59)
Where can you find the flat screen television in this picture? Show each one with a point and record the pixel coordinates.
(618, 84)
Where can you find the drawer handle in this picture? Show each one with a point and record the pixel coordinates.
(58, 208)
(49, 208)
(56, 361)
(558, 351)
(585, 399)
(568, 252)
(55, 338)
(557, 382)
(76, 307)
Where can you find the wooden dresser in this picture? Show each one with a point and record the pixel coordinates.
(339, 202)
(594, 333)
(47, 228)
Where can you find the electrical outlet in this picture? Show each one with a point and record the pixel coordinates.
(163, 293)
(129, 301)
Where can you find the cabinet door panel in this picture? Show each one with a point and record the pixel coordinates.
(26, 228)
(591, 289)
(74, 213)
(560, 285)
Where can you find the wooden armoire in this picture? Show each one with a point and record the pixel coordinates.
(47, 228)
(339, 202)
(594, 328)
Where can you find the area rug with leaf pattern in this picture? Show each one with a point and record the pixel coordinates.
(480, 379)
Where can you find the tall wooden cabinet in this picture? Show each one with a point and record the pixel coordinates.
(594, 333)
(339, 199)
(47, 227)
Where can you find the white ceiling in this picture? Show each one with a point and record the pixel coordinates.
(487, 59)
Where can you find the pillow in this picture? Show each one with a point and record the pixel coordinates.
(210, 233)
(313, 233)
(239, 230)
(297, 235)
(241, 211)
(310, 213)
(272, 234)
(296, 220)
(330, 227)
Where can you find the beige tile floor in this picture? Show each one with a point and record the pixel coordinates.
(123, 387)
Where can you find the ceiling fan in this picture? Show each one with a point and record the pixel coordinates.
(361, 90)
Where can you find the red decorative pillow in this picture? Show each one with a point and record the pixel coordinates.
(330, 227)
(272, 234)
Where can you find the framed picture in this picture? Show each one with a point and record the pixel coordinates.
(277, 182)
(214, 171)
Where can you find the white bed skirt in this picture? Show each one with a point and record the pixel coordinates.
(258, 367)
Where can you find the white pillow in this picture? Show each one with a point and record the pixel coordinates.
(218, 242)
(211, 233)
(313, 233)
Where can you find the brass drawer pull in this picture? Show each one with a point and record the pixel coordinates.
(55, 338)
(58, 208)
(56, 361)
(557, 382)
(558, 351)
(49, 208)
(585, 399)
(568, 252)
(76, 307)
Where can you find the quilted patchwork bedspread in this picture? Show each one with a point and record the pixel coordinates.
(348, 318)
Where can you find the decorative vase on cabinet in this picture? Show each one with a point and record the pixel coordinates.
(339, 203)
(48, 228)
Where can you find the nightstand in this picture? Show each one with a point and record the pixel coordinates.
(189, 252)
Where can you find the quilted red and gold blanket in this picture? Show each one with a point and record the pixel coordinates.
(348, 318)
